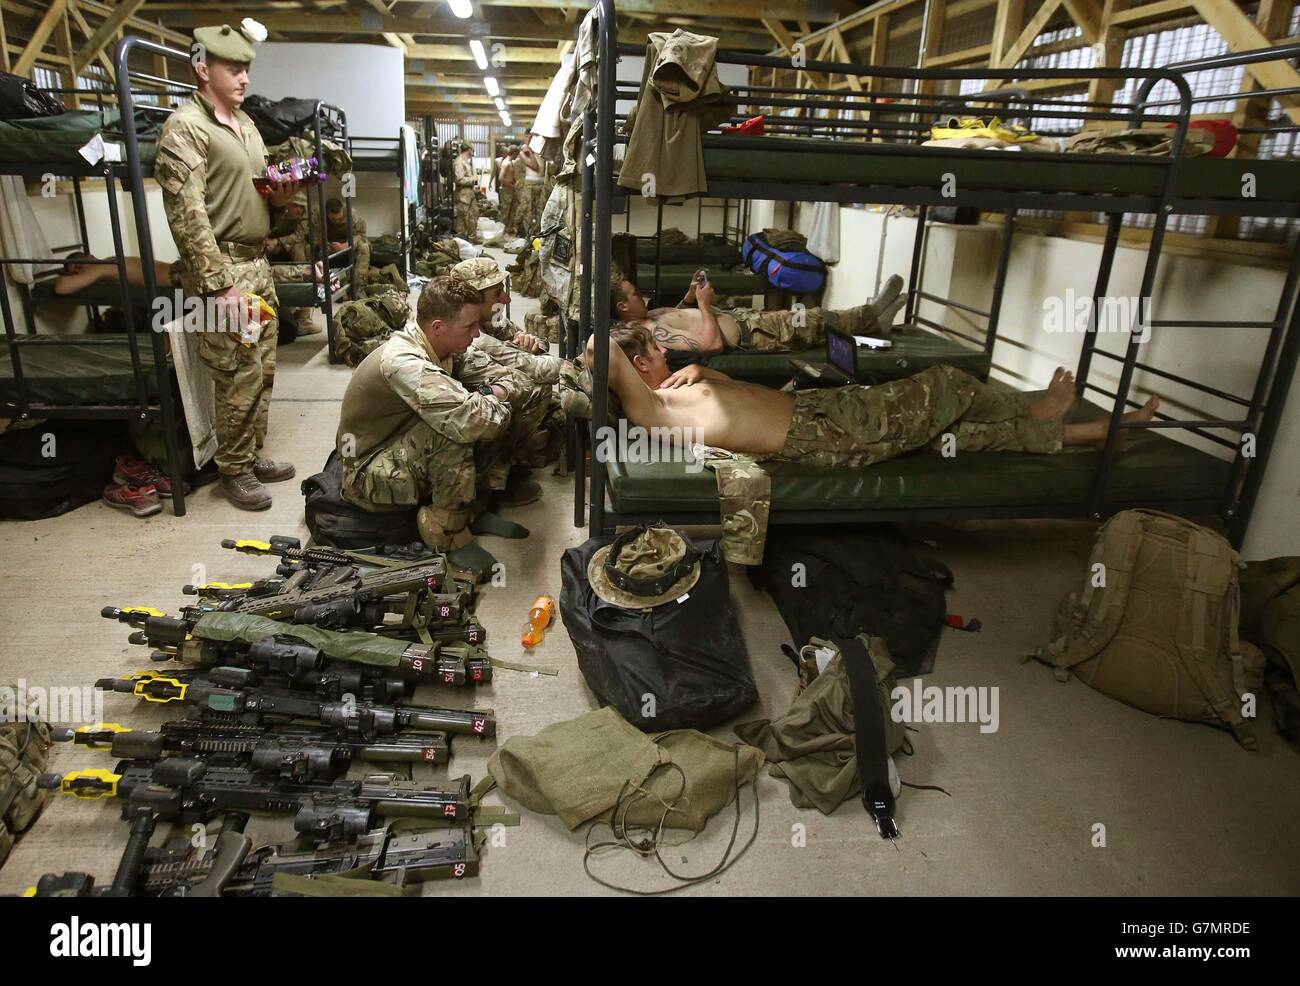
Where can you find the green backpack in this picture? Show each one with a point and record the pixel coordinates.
(1270, 618)
(1156, 624)
(365, 324)
(24, 749)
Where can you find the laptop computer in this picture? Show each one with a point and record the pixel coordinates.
(841, 364)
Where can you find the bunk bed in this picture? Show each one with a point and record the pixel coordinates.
(1152, 470)
(386, 155)
(123, 376)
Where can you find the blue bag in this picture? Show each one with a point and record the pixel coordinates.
(796, 271)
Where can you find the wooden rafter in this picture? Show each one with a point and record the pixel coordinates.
(108, 28)
(53, 15)
(1242, 34)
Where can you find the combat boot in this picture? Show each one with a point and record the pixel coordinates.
(245, 491)
(273, 472)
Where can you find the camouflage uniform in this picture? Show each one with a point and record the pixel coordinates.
(220, 223)
(789, 330)
(859, 426)
(466, 205)
(745, 499)
(338, 233)
(413, 430)
(506, 193)
(292, 243)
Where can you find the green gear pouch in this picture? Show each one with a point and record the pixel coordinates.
(745, 500)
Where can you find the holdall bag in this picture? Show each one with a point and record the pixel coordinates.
(1156, 623)
(796, 271)
(334, 521)
(22, 99)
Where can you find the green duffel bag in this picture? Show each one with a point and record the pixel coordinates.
(1270, 618)
(24, 750)
(1155, 625)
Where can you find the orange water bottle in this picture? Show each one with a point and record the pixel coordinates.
(539, 618)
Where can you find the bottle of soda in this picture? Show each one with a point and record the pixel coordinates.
(539, 618)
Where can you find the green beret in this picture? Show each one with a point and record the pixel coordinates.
(224, 42)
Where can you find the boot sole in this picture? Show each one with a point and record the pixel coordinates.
(148, 512)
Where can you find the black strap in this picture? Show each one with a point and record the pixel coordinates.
(869, 735)
(646, 587)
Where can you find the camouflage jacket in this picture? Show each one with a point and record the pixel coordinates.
(205, 171)
(463, 173)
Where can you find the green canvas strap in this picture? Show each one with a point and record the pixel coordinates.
(527, 668)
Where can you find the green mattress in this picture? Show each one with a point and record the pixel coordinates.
(1203, 178)
(376, 159)
(674, 280)
(705, 253)
(57, 140)
(80, 373)
(913, 350)
(1152, 468)
(291, 294)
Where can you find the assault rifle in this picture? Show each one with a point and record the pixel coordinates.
(265, 706)
(228, 866)
(450, 658)
(190, 790)
(294, 555)
(291, 753)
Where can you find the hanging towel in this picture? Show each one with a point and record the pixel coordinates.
(824, 238)
(198, 398)
(20, 234)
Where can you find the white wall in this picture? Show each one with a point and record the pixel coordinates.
(960, 263)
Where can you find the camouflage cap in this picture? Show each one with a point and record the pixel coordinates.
(224, 42)
(479, 273)
(644, 567)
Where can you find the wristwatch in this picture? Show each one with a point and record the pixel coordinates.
(485, 390)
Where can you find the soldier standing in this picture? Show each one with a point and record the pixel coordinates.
(529, 200)
(505, 180)
(208, 153)
(466, 206)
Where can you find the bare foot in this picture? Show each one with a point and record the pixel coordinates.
(1060, 397)
(1094, 432)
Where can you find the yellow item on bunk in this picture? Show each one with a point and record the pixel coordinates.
(986, 127)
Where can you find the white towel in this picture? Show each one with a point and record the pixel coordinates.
(20, 234)
(198, 399)
(824, 237)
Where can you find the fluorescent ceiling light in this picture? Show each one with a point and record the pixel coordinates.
(461, 8)
(501, 104)
(480, 56)
(490, 84)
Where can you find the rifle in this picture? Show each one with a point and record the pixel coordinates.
(189, 790)
(258, 706)
(294, 754)
(228, 866)
(332, 686)
(451, 657)
(291, 551)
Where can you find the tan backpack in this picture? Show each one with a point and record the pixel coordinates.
(24, 748)
(1156, 624)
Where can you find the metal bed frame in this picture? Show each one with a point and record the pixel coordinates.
(1263, 408)
(403, 212)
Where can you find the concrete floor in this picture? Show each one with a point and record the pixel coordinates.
(1185, 810)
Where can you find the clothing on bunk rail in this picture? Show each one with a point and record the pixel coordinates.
(680, 99)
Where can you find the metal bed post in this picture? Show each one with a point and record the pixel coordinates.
(659, 244)
(577, 335)
(79, 210)
(140, 209)
(1138, 332)
(321, 289)
(404, 209)
(1104, 265)
(1000, 281)
(124, 294)
(1266, 405)
(354, 290)
(603, 177)
(914, 276)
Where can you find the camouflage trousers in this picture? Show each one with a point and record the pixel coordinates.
(534, 430)
(507, 214)
(466, 215)
(528, 206)
(789, 330)
(242, 375)
(942, 406)
(360, 258)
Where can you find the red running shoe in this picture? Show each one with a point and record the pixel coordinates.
(142, 501)
(130, 471)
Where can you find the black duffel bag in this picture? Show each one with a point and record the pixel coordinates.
(679, 664)
(279, 119)
(334, 521)
(22, 99)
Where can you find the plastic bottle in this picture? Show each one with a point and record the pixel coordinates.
(539, 618)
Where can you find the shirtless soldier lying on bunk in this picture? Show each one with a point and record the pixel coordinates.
(79, 273)
(696, 327)
(842, 426)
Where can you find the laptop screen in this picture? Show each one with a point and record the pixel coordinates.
(841, 352)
